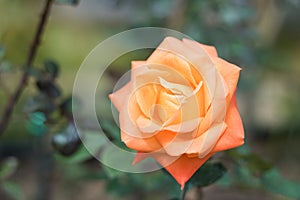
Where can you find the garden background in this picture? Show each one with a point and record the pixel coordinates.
(42, 159)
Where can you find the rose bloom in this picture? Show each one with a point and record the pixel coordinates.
(180, 107)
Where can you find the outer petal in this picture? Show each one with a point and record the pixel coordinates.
(230, 73)
(211, 50)
(140, 144)
(234, 134)
(203, 144)
(176, 145)
(182, 168)
(137, 63)
(119, 96)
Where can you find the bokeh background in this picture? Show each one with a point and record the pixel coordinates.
(262, 37)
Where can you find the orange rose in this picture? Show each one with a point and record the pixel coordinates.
(180, 107)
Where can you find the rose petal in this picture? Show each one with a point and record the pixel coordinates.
(211, 50)
(234, 134)
(137, 63)
(145, 103)
(212, 78)
(128, 117)
(188, 116)
(230, 73)
(163, 56)
(120, 95)
(182, 168)
(140, 144)
(186, 143)
(203, 144)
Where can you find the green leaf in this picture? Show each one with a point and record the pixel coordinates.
(274, 182)
(70, 2)
(52, 68)
(12, 190)
(8, 167)
(207, 174)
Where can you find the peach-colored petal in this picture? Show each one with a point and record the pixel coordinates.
(163, 56)
(142, 96)
(230, 73)
(182, 168)
(140, 144)
(120, 96)
(128, 117)
(203, 144)
(234, 134)
(121, 99)
(186, 143)
(216, 90)
(137, 63)
(211, 50)
(189, 114)
(164, 137)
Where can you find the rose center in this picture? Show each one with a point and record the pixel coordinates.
(158, 114)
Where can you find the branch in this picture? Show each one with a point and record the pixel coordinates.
(13, 99)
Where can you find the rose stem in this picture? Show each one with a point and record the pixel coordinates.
(8, 109)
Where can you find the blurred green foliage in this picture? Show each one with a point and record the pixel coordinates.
(10, 188)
